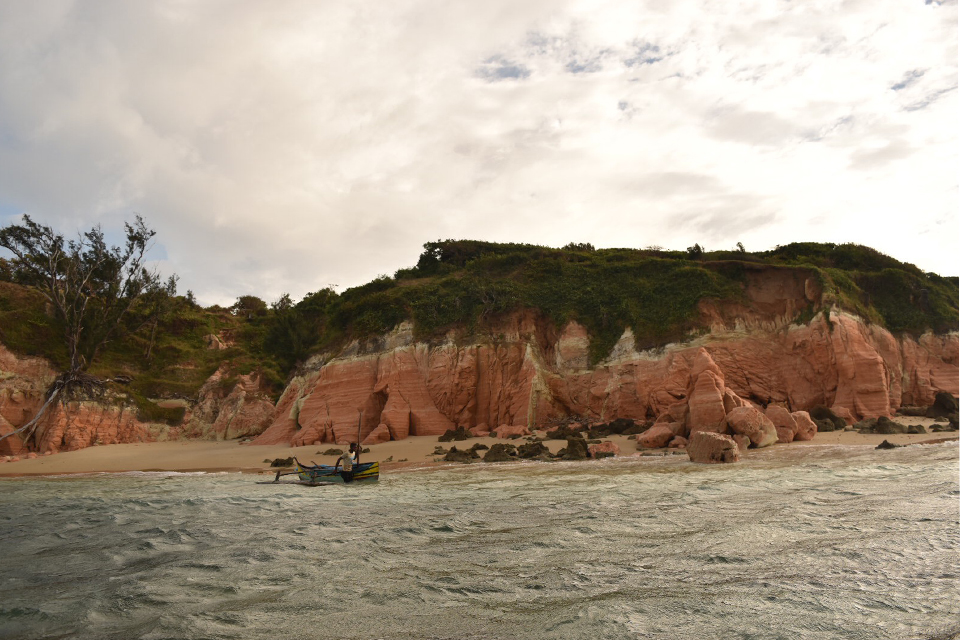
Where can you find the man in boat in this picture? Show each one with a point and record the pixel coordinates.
(346, 462)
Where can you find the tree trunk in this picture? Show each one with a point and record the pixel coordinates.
(153, 334)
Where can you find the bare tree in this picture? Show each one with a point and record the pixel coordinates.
(90, 287)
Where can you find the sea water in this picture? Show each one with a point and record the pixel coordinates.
(793, 542)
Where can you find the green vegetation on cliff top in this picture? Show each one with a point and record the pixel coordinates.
(467, 286)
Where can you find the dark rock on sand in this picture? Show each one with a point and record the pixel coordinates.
(460, 433)
(620, 426)
(945, 424)
(576, 449)
(564, 433)
(822, 414)
(824, 425)
(501, 452)
(457, 455)
(888, 445)
(883, 425)
(534, 451)
(913, 412)
(943, 406)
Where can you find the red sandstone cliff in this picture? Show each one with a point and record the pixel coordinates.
(219, 413)
(526, 372)
(23, 383)
(526, 377)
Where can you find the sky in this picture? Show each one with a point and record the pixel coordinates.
(292, 145)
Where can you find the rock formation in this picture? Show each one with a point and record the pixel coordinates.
(752, 373)
(785, 424)
(526, 375)
(603, 449)
(229, 408)
(658, 435)
(77, 425)
(237, 410)
(750, 422)
(710, 447)
(23, 385)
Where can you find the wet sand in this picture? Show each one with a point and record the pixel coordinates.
(411, 453)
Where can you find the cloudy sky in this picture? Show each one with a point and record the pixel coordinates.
(290, 145)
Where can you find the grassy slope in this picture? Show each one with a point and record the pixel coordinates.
(653, 292)
(179, 362)
(466, 285)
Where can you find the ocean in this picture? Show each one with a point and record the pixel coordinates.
(793, 542)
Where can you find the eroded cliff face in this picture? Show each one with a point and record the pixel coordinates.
(228, 411)
(23, 383)
(521, 375)
(220, 412)
(526, 373)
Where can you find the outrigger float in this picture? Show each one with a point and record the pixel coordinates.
(320, 474)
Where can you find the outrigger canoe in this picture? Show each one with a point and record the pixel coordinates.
(330, 474)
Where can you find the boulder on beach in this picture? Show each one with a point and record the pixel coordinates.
(806, 427)
(784, 422)
(750, 422)
(743, 442)
(603, 450)
(712, 448)
(659, 435)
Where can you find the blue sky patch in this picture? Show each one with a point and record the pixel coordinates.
(908, 79)
(497, 68)
(644, 53)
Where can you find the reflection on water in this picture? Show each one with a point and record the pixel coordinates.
(795, 542)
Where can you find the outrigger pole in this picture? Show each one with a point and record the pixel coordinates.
(359, 424)
(281, 473)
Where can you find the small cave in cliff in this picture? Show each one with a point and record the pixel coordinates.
(377, 402)
(760, 402)
(371, 413)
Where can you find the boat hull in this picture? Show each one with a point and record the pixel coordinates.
(325, 474)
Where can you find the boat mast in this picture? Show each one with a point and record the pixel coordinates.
(359, 424)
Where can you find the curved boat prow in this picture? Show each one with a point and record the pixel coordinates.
(323, 473)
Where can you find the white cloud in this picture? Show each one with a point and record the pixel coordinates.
(288, 146)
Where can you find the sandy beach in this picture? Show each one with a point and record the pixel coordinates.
(411, 453)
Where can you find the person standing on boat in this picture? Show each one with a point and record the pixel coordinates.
(347, 461)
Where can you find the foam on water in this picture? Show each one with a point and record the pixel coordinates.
(794, 542)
